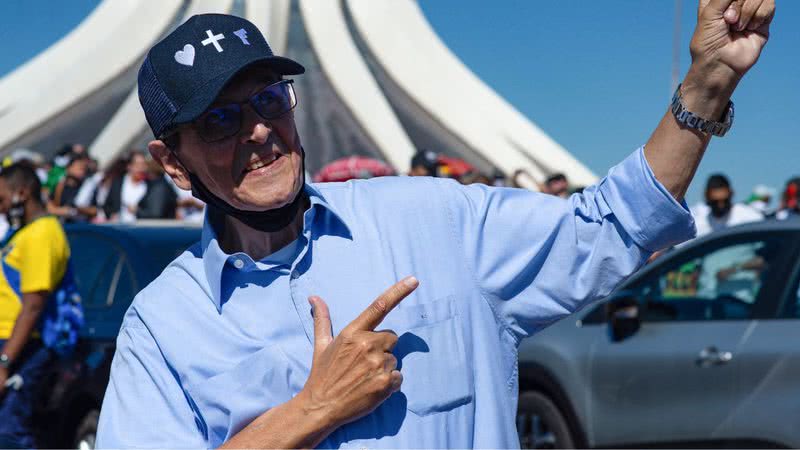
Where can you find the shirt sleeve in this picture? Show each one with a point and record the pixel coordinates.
(145, 405)
(537, 258)
(44, 255)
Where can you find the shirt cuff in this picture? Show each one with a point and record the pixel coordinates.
(644, 207)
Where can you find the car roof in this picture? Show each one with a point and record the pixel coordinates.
(764, 225)
(148, 235)
(142, 230)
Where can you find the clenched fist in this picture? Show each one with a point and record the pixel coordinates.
(727, 42)
(354, 373)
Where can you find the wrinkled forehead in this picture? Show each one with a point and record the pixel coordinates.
(246, 82)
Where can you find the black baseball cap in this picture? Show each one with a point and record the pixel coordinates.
(184, 72)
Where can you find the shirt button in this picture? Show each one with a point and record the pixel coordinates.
(295, 274)
(238, 263)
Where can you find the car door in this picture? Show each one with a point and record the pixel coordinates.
(676, 378)
(770, 406)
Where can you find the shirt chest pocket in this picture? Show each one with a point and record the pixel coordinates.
(431, 356)
(229, 401)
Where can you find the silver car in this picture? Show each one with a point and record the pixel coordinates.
(700, 349)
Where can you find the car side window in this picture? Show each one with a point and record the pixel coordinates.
(791, 308)
(92, 256)
(720, 284)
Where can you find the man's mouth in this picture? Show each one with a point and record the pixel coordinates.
(261, 161)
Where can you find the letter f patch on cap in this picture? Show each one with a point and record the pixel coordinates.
(242, 34)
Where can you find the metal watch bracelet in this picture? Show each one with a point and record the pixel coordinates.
(691, 120)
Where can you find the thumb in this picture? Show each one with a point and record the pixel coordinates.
(322, 326)
(721, 8)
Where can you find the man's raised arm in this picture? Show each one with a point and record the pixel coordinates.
(727, 42)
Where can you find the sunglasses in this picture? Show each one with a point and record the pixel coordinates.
(225, 121)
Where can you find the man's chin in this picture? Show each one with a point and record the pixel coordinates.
(263, 204)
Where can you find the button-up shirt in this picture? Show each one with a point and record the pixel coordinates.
(218, 339)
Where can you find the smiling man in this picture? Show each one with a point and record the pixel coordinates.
(231, 346)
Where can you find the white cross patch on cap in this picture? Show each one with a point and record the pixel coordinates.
(213, 39)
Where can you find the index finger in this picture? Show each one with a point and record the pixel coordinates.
(377, 311)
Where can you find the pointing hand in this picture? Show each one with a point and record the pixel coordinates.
(355, 372)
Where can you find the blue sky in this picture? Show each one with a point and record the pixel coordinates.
(593, 75)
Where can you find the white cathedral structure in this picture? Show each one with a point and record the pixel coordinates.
(379, 82)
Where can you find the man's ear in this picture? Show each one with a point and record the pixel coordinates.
(169, 162)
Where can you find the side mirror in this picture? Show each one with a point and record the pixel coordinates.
(622, 316)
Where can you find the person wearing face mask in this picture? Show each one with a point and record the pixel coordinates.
(719, 211)
(34, 260)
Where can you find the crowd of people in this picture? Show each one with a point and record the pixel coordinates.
(131, 187)
(719, 210)
(431, 164)
(135, 187)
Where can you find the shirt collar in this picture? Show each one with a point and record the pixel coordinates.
(316, 220)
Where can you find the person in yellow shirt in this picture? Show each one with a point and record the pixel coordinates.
(34, 260)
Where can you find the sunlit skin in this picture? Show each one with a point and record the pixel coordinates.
(222, 166)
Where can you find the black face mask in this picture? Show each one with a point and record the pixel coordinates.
(720, 208)
(269, 221)
(16, 213)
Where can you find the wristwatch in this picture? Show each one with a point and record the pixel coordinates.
(5, 362)
(689, 119)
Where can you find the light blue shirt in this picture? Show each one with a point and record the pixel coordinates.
(218, 339)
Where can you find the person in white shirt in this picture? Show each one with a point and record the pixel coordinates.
(125, 193)
(761, 199)
(719, 211)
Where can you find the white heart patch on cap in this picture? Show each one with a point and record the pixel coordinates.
(185, 56)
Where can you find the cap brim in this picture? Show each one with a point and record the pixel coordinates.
(201, 99)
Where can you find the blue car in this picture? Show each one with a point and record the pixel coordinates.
(112, 263)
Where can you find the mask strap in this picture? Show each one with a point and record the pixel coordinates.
(268, 221)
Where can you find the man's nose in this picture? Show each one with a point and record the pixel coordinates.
(255, 130)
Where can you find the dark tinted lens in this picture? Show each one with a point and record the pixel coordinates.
(220, 123)
(274, 101)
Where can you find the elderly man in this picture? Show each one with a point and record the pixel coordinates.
(223, 349)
